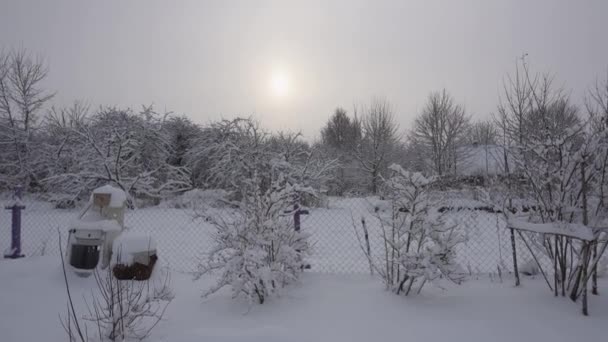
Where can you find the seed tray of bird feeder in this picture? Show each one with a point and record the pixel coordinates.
(133, 257)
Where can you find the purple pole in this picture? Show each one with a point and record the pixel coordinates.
(296, 222)
(296, 216)
(16, 207)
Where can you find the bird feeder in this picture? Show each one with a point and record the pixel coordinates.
(93, 233)
(133, 256)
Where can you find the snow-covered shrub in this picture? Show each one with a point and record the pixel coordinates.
(256, 251)
(418, 244)
(562, 162)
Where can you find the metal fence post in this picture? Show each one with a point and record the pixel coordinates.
(296, 216)
(16, 206)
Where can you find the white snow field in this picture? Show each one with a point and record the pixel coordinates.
(182, 240)
(321, 307)
(336, 301)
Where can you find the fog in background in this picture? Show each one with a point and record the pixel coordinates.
(212, 59)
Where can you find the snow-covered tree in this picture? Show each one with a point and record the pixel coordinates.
(564, 163)
(119, 147)
(227, 153)
(21, 99)
(315, 168)
(181, 134)
(530, 108)
(60, 151)
(217, 157)
(418, 244)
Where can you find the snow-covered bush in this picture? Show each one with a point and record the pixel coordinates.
(566, 176)
(256, 251)
(564, 162)
(418, 243)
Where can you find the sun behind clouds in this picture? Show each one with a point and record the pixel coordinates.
(279, 83)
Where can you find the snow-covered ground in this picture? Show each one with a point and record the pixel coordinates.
(182, 240)
(321, 307)
(335, 302)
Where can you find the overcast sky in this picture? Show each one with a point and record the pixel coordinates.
(212, 59)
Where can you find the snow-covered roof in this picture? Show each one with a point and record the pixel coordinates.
(133, 243)
(104, 225)
(117, 196)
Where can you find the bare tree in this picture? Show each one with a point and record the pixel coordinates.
(380, 137)
(441, 130)
(516, 103)
(482, 132)
(532, 107)
(21, 98)
(596, 104)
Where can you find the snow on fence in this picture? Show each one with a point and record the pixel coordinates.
(182, 240)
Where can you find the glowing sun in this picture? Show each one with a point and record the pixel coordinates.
(279, 83)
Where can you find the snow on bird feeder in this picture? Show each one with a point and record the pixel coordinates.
(133, 256)
(92, 234)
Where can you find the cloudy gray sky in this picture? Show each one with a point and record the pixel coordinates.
(212, 59)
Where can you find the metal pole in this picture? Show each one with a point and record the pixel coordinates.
(15, 207)
(296, 216)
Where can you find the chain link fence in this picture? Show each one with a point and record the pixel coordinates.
(334, 226)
